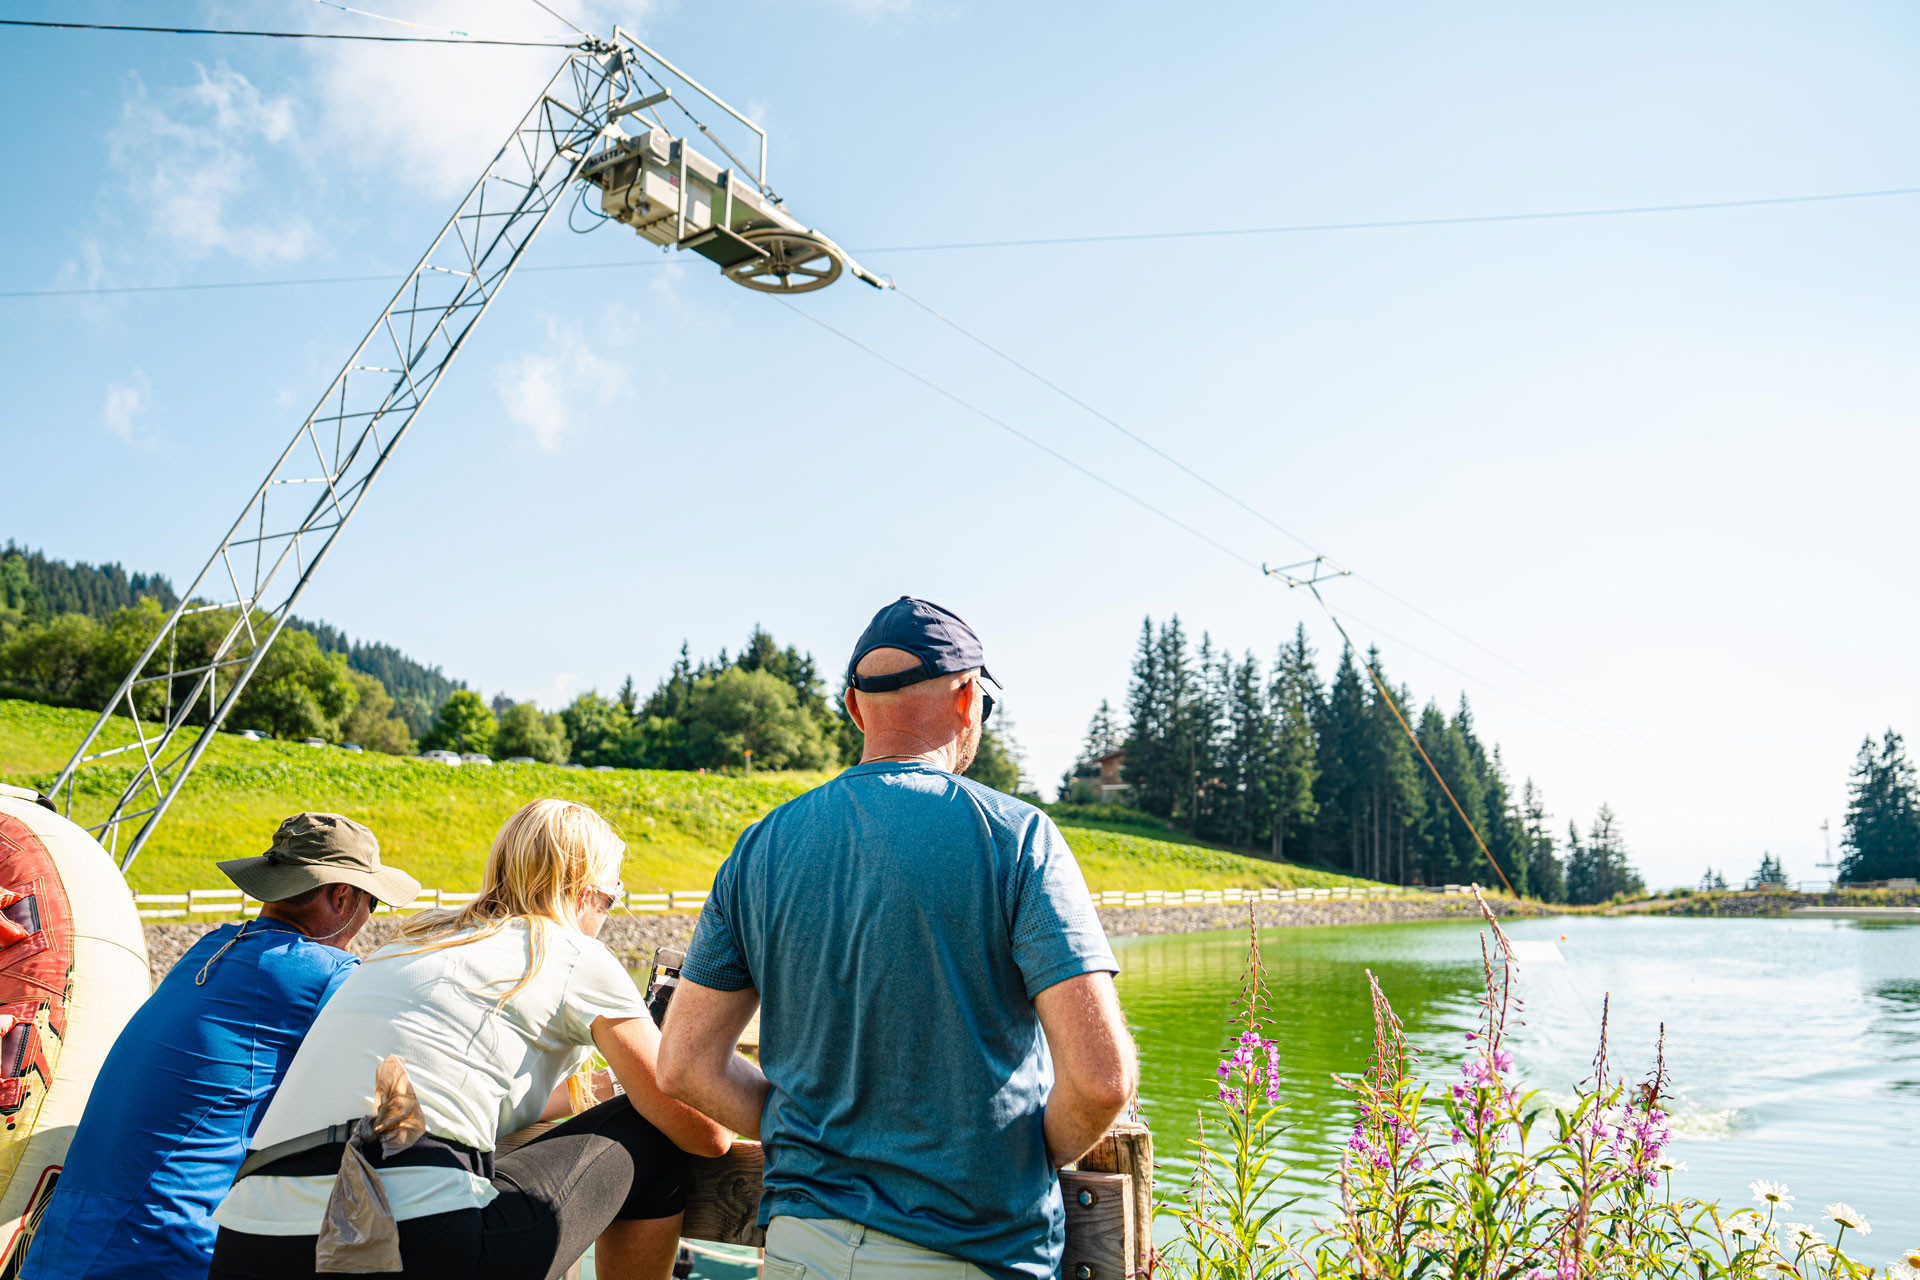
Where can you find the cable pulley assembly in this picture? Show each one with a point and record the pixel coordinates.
(677, 197)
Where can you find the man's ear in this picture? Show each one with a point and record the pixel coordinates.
(853, 708)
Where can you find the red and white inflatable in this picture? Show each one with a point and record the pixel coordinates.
(73, 968)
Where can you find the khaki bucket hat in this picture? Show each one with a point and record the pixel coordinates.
(314, 849)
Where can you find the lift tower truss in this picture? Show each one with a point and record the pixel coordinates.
(193, 670)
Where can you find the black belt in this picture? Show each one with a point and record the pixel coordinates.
(318, 1154)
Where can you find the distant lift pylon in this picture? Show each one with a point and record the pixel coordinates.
(599, 119)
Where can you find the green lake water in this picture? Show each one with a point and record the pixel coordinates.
(1794, 1046)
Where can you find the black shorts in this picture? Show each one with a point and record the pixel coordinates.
(557, 1194)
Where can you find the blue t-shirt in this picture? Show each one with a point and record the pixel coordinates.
(181, 1091)
(897, 923)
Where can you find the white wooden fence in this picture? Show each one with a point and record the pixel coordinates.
(229, 902)
(1204, 897)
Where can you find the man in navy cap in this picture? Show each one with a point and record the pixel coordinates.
(912, 935)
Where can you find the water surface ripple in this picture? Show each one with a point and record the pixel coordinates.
(1794, 1045)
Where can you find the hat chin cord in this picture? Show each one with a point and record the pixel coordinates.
(200, 978)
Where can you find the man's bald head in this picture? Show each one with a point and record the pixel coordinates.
(941, 715)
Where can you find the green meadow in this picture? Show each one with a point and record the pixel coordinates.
(435, 820)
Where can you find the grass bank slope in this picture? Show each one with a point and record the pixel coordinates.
(436, 821)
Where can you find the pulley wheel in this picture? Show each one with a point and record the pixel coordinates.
(792, 262)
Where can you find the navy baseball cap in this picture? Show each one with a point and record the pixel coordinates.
(944, 644)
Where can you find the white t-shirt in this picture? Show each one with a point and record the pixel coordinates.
(481, 1070)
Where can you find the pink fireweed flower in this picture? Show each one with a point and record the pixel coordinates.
(1502, 1060)
(1232, 1097)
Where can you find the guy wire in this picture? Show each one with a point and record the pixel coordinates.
(1394, 706)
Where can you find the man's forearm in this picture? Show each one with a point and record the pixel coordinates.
(1073, 1124)
(733, 1094)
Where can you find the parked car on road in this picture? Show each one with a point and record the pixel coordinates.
(520, 760)
(313, 742)
(474, 757)
(253, 735)
(440, 757)
(354, 747)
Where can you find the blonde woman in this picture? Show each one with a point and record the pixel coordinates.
(491, 1007)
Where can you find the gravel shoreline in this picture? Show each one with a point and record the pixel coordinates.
(638, 936)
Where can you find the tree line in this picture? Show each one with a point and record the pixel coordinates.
(65, 628)
(69, 633)
(1275, 760)
(767, 706)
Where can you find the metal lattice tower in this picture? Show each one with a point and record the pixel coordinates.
(227, 620)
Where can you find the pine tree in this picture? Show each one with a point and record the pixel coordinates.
(1147, 768)
(1244, 802)
(1341, 734)
(1546, 877)
(1882, 840)
(1503, 832)
(1450, 854)
(1293, 707)
(1103, 734)
(1770, 875)
(1712, 881)
(1198, 717)
(1079, 784)
(1597, 868)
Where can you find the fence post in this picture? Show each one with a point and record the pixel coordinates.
(1128, 1148)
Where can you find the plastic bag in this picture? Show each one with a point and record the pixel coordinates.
(358, 1234)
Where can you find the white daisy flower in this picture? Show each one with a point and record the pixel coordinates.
(1667, 1164)
(1806, 1241)
(1773, 1193)
(1849, 1217)
(1906, 1268)
(1745, 1223)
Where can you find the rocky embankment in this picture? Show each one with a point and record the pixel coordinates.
(1771, 902)
(639, 936)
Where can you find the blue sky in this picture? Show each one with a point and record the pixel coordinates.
(1661, 463)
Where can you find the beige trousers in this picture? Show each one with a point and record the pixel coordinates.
(835, 1249)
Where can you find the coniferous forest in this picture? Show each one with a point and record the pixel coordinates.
(1273, 758)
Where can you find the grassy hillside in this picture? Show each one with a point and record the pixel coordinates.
(436, 821)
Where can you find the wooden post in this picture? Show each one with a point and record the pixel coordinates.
(723, 1196)
(1128, 1149)
(1101, 1236)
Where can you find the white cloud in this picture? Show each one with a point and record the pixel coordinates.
(190, 156)
(551, 393)
(124, 404)
(432, 116)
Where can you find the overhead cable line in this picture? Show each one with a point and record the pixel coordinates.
(1014, 431)
(1301, 228)
(1135, 498)
(93, 291)
(1466, 220)
(287, 35)
(1256, 513)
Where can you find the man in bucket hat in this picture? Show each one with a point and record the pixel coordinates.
(184, 1086)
